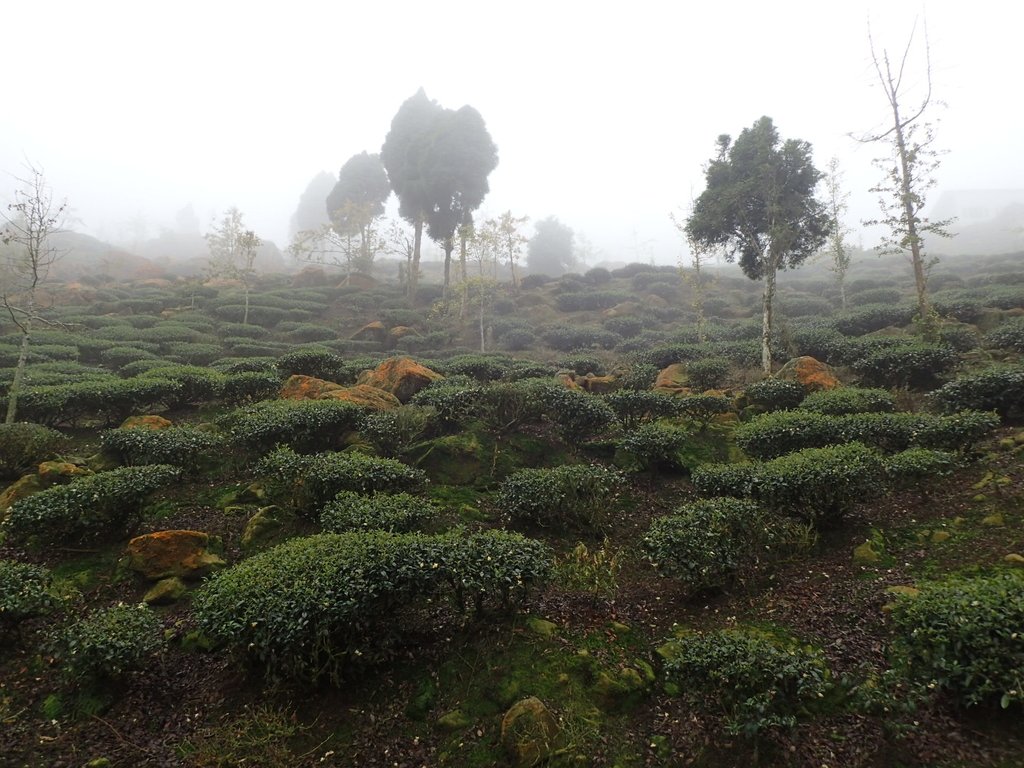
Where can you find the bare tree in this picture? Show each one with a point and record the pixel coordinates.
(836, 204)
(233, 253)
(909, 170)
(29, 222)
(699, 255)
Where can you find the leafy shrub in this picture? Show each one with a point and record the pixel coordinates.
(704, 544)
(775, 394)
(237, 330)
(185, 447)
(250, 387)
(23, 446)
(234, 365)
(506, 406)
(873, 317)
(139, 367)
(308, 332)
(820, 484)
(589, 300)
(569, 338)
(626, 327)
(394, 432)
(118, 357)
(483, 368)
(964, 635)
(24, 593)
(453, 401)
(320, 363)
(633, 407)
(654, 445)
(876, 296)
(394, 512)
(756, 680)
(535, 280)
(110, 642)
(597, 276)
(957, 306)
(574, 495)
(317, 478)
(907, 365)
(703, 407)
(191, 353)
(581, 365)
(303, 424)
(92, 505)
(822, 342)
(519, 339)
(639, 376)
(1007, 335)
(836, 402)
(962, 338)
(111, 400)
(918, 467)
(576, 415)
(997, 389)
(192, 385)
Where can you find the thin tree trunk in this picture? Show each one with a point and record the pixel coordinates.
(766, 320)
(245, 315)
(414, 271)
(483, 337)
(449, 246)
(19, 372)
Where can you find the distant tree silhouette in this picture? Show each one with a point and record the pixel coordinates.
(551, 250)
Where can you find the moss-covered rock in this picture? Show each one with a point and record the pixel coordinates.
(185, 554)
(20, 489)
(673, 380)
(299, 387)
(365, 396)
(811, 374)
(54, 472)
(165, 592)
(146, 422)
(266, 527)
(403, 377)
(866, 554)
(530, 733)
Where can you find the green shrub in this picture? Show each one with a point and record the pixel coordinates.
(566, 338)
(519, 339)
(919, 467)
(185, 447)
(118, 357)
(582, 365)
(393, 512)
(576, 415)
(237, 330)
(911, 365)
(589, 300)
(639, 376)
(394, 432)
(303, 333)
(873, 317)
(303, 424)
(836, 402)
(89, 506)
(482, 368)
(962, 338)
(110, 401)
(454, 402)
(317, 478)
(626, 327)
(24, 593)
(110, 642)
(775, 394)
(703, 407)
(23, 446)
(1008, 335)
(320, 363)
(574, 495)
(194, 385)
(653, 446)
(139, 367)
(250, 387)
(965, 635)
(996, 389)
(706, 543)
(633, 407)
(235, 365)
(756, 680)
(820, 484)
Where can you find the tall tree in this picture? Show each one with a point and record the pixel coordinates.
(838, 250)
(30, 221)
(357, 201)
(233, 253)
(310, 213)
(550, 250)
(458, 157)
(694, 276)
(402, 155)
(759, 206)
(510, 241)
(908, 170)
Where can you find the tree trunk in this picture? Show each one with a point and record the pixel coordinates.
(19, 373)
(766, 320)
(449, 246)
(245, 314)
(842, 291)
(483, 336)
(414, 271)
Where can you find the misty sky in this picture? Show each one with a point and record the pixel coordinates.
(603, 113)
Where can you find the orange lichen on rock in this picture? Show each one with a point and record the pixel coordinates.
(364, 395)
(374, 331)
(185, 554)
(146, 422)
(299, 387)
(54, 472)
(19, 489)
(599, 385)
(567, 379)
(672, 380)
(811, 374)
(403, 377)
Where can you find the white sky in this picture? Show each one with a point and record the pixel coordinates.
(603, 112)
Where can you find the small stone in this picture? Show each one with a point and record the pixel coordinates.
(165, 592)
(60, 472)
(456, 720)
(866, 554)
(980, 498)
(264, 526)
(99, 762)
(904, 590)
(995, 520)
(541, 626)
(620, 629)
(959, 522)
(1014, 560)
(938, 537)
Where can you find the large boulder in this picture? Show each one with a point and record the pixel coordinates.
(403, 377)
(598, 385)
(185, 554)
(146, 422)
(18, 490)
(364, 395)
(374, 331)
(60, 472)
(530, 733)
(811, 374)
(672, 380)
(299, 387)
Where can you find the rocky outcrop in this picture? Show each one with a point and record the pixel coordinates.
(299, 387)
(146, 422)
(530, 733)
(374, 331)
(403, 377)
(672, 380)
(811, 374)
(364, 396)
(185, 554)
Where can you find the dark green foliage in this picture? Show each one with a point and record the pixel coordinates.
(997, 389)
(108, 502)
(626, 327)
(597, 276)
(453, 402)
(703, 407)
(193, 354)
(820, 484)
(239, 331)
(267, 317)
(483, 368)
(775, 394)
(1008, 335)
(581, 365)
(589, 300)
(185, 447)
(569, 338)
(836, 402)
(393, 432)
(23, 446)
(530, 282)
(109, 643)
(632, 407)
(319, 363)
(920, 467)
(340, 599)
(110, 400)
(304, 424)
(118, 357)
(233, 365)
(576, 415)
(518, 339)
(250, 387)
(822, 342)
(392, 512)
(303, 333)
(139, 367)
(965, 635)
(953, 305)
(574, 495)
(962, 338)
(192, 385)
(909, 365)
(653, 446)
(873, 317)
(875, 296)
(313, 480)
(24, 593)
(706, 543)
(639, 376)
(758, 681)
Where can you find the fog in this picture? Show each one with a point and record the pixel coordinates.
(604, 113)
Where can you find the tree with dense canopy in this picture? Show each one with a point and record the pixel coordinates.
(760, 206)
(356, 202)
(551, 250)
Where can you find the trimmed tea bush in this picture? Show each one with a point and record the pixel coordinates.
(185, 447)
(576, 415)
(755, 680)
(997, 389)
(917, 467)
(654, 445)
(303, 424)
(965, 635)
(704, 544)
(97, 504)
(24, 593)
(1008, 335)
(910, 365)
(195, 385)
(820, 484)
(110, 401)
(393, 512)
(110, 642)
(319, 363)
(836, 402)
(575, 495)
(23, 446)
(394, 432)
(775, 394)
(708, 373)
(454, 402)
(250, 387)
(633, 407)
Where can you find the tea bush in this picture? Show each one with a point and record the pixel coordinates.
(185, 447)
(576, 415)
(194, 385)
(574, 495)
(775, 394)
(109, 643)
(23, 446)
(633, 407)
(919, 467)
(1008, 335)
(304, 424)
(454, 402)
(110, 401)
(820, 484)
(911, 365)
(836, 402)
(708, 372)
(873, 317)
(756, 680)
(996, 389)
(24, 593)
(393, 512)
(653, 446)
(482, 368)
(394, 432)
(705, 543)
(319, 363)
(89, 506)
(566, 338)
(965, 635)
(250, 387)
(589, 300)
